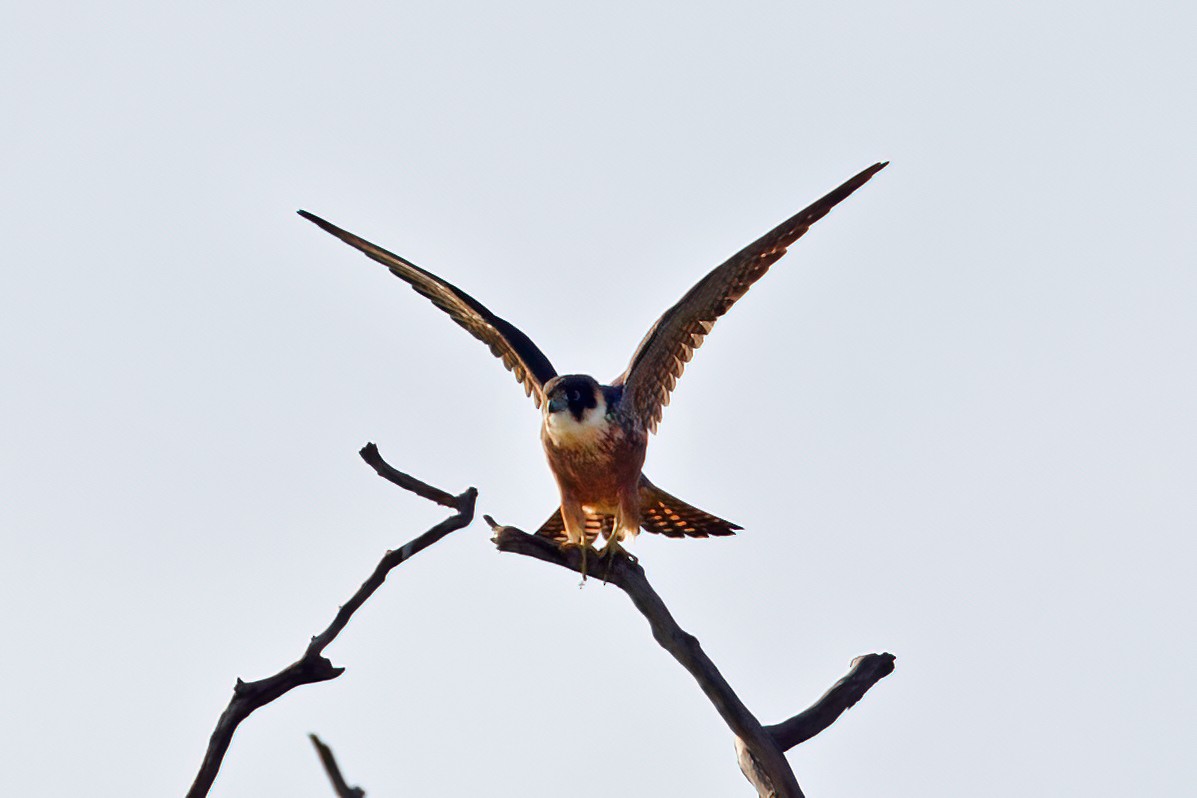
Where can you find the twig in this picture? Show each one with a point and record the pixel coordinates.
(342, 789)
(760, 751)
(313, 666)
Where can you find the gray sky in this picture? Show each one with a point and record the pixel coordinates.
(956, 421)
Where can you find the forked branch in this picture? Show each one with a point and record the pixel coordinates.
(760, 750)
(313, 666)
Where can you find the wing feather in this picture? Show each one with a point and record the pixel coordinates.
(661, 357)
(516, 350)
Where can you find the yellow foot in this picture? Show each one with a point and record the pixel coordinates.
(610, 552)
(585, 548)
(613, 549)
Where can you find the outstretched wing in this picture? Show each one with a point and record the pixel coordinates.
(662, 355)
(521, 357)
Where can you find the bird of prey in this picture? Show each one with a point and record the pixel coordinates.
(595, 435)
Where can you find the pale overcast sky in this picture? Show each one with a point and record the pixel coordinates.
(956, 421)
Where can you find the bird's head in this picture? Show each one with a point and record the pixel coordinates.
(576, 395)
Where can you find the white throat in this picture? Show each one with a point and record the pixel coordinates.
(566, 431)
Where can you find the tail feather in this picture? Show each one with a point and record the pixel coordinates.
(660, 512)
(670, 516)
(554, 527)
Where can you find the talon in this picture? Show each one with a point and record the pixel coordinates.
(614, 548)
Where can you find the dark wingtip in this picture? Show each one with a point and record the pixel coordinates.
(314, 219)
(844, 191)
(864, 176)
(332, 229)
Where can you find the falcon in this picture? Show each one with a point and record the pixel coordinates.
(595, 435)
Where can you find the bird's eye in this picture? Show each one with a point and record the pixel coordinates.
(574, 396)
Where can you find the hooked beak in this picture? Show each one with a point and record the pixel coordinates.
(557, 404)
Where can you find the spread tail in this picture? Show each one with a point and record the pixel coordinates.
(595, 524)
(672, 517)
(660, 512)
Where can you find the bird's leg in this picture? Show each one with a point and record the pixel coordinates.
(627, 524)
(613, 547)
(575, 530)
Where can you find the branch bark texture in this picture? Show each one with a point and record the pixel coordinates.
(866, 671)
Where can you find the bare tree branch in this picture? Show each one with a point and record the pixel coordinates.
(866, 671)
(760, 751)
(313, 666)
(342, 789)
(370, 454)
